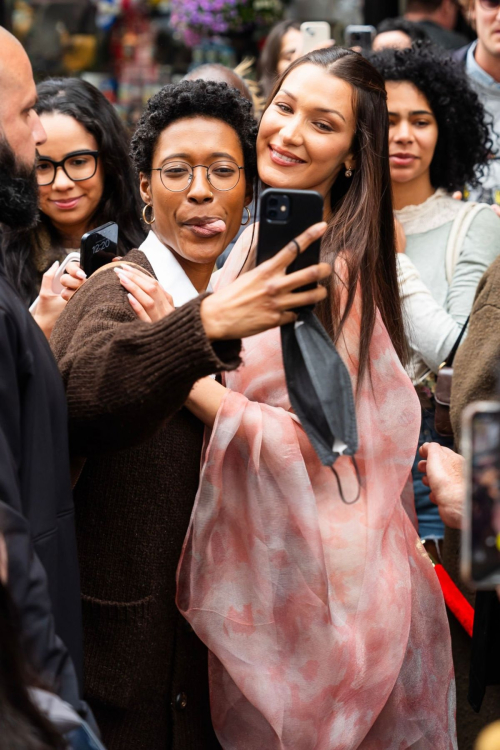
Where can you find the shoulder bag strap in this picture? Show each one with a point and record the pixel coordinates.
(458, 233)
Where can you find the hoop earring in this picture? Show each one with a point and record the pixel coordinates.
(152, 220)
(348, 173)
(249, 216)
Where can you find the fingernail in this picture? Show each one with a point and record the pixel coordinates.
(54, 265)
(81, 274)
(131, 298)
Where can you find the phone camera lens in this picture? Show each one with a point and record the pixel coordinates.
(272, 213)
(273, 202)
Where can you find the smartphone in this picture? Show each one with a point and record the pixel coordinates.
(359, 36)
(314, 34)
(480, 549)
(99, 247)
(284, 214)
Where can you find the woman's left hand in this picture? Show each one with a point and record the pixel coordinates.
(50, 305)
(147, 297)
(72, 279)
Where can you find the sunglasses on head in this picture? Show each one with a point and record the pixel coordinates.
(489, 4)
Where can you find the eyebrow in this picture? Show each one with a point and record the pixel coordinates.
(416, 112)
(318, 109)
(181, 155)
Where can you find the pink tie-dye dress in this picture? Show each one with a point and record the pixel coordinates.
(325, 621)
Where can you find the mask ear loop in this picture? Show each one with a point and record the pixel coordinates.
(339, 483)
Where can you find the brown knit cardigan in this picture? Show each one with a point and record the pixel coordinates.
(126, 381)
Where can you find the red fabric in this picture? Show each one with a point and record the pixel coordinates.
(455, 600)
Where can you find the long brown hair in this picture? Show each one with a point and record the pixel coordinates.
(361, 226)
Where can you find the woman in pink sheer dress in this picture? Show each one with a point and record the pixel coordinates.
(325, 620)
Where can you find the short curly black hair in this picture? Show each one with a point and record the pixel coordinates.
(195, 99)
(464, 144)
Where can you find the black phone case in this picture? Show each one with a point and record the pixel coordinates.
(306, 208)
(99, 247)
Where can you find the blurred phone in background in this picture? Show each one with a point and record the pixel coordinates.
(480, 551)
(314, 35)
(359, 36)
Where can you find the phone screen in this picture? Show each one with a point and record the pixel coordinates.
(485, 495)
(99, 247)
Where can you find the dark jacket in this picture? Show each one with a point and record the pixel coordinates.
(36, 506)
(475, 378)
(146, 673)
(460, 55)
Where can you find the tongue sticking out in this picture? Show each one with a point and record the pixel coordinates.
(209, 229)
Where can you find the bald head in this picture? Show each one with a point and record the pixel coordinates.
(19, 124)
(220, 74)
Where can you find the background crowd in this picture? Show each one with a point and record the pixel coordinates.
(177, 567)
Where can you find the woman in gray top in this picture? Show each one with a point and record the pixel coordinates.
(438, 141)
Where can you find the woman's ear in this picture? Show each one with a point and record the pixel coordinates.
(145, 188)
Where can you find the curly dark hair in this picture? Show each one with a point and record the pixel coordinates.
(464, 143)
(195, 99)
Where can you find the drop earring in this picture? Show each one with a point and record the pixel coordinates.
(348, 173)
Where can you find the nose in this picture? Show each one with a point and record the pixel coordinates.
(62, 181)
(200, 190)
(37, 129)
(292, 132)
(402, 132)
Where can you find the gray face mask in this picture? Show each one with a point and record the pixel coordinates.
(320, 391)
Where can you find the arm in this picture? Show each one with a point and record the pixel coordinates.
(125, 377)
(205, 399)
(432, 329)
(443, 474)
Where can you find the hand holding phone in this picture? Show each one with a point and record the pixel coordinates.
(284, 214)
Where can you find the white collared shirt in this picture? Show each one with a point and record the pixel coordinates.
(169, 271)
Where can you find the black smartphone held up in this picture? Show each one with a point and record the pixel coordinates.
(284, 214)
(99, 247)
(480, 549)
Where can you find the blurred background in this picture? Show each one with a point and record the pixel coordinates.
(131, 48)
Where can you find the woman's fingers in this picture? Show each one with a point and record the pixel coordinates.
(131, 286)
(70, 282)
(73, 269)
(300, 299)
(138, 309)
(154, 301)
(47, 279)
(290, 251)
(306, 276)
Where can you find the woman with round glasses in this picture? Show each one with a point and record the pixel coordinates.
(126, 382)
(85, 179)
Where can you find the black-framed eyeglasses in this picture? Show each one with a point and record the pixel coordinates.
(177, 176)
(78, 166)
(489, 4)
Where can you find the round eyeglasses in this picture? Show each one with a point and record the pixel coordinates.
(177, 176)
(78, 166)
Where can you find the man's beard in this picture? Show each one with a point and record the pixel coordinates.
(18, 190)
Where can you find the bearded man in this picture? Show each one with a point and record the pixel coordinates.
(36, 506)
